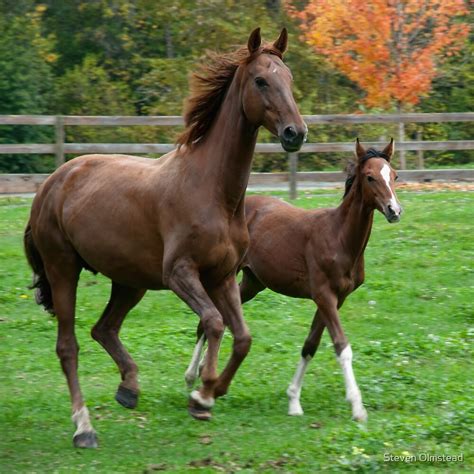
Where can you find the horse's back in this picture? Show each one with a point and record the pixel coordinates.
(104, 208)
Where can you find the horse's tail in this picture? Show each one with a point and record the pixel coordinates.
(43, 293)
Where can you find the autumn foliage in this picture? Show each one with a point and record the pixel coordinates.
(389, 48)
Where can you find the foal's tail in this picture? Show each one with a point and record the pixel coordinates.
(40, 282)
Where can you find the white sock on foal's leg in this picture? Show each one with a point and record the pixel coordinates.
(192, 372)
(359, 413)
(294, 390)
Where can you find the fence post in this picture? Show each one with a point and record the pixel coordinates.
(421, 161)
(59, 139)
(293, 157)
(401, 138)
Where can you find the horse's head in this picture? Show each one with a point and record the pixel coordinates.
(266, 93)
(378, 180)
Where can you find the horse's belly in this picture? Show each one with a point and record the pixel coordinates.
(127, 261)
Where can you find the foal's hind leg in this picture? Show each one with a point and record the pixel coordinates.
(250, 285)
(309, 349)
(63, 279)
(192, 372)
(106, 332)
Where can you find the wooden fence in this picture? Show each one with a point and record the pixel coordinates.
(29, 183)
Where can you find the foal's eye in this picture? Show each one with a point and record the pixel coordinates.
(261, 82)
(370, 179)
(396, 177)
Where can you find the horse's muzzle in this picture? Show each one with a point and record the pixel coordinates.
(292, 139)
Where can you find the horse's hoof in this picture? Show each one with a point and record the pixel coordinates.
(126, 397)
(87, 439)
(196, 410)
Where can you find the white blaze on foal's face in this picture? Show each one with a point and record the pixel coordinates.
(380, 177)
(386, 174)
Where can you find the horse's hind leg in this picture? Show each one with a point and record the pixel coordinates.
(63, 278)
(106, 332)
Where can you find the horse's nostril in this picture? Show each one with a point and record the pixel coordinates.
(290, 133)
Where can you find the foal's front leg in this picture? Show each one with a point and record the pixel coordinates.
(309, 349)
(328, 308)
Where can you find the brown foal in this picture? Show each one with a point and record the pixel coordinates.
(175, 223)
(317, 254)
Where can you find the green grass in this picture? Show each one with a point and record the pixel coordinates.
(411, 326)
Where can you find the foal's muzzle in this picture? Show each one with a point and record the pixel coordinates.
(293, 138)
(392, 213)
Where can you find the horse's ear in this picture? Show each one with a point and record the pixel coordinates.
(389, 149)
(360, 150)
(282, 42)
(255, 40)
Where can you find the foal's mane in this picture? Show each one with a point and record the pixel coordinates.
(353, 167)
(208, 87)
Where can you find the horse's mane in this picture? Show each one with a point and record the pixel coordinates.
(208, 87)
(353, 167)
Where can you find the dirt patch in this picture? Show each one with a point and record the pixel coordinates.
(435, 186)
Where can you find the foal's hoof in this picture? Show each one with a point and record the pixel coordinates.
(87, 439)
(126, 397)
(360, 415)
(196, 410)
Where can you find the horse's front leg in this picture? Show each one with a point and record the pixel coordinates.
(184, 280)
(227, 299)
(327, 305)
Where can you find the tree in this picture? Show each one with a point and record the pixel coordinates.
(389, 48)
(25, 84)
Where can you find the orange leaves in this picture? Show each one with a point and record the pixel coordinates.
(389, 48)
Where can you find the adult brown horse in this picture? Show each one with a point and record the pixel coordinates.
(317, 254)
(175, 223)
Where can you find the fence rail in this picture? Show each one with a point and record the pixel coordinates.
(60, 148)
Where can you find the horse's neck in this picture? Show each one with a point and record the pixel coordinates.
(229, 149)
(355, 220)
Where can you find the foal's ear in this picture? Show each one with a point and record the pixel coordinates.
(282, 42)
(360, 150)
(389, 149)
(255, 40)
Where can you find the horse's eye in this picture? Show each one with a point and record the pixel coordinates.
(261, 82)
(396, 177)
(370, 179)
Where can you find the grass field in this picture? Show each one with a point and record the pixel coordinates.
(411, 326)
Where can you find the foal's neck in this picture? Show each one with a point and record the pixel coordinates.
(356, 218)
(229, 148)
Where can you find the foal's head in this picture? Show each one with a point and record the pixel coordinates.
(266, 93)
(377, 180)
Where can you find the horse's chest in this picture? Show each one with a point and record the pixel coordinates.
(222, 249)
